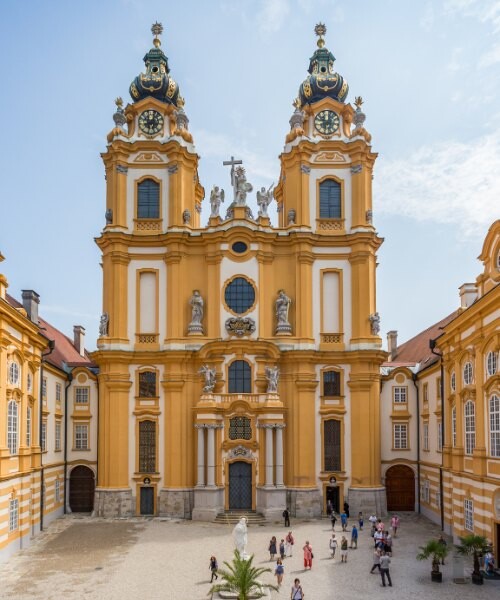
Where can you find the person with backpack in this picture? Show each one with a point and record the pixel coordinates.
(297, 592)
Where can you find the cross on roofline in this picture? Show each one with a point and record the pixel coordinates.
(232, 162)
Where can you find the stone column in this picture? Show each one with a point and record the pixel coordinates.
(211, 455)
(269, 455)
(279, 455)
(201, 456)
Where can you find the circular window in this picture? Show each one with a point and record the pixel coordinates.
(239, 247)
(239, 295)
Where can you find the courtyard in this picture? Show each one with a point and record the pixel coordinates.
(81, 557)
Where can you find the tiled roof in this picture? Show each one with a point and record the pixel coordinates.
(64, 352)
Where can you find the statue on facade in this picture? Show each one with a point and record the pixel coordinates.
(291, 216)
(282, 307)
(264, 199)
(216, 198)
(375, 323)
(196, 302)
(104, 324)
(186, 216)
(108, 215)
(272, 376)
(242, 187)
(240, 536)
(209, 376)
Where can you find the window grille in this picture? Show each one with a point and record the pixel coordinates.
(148, 199)
(30, 383)
(240, 428)
(147, 447)
(330, 200)
(58, 490)
(14, 373)
(425, 436)
(240, 377)
(332, 448)
(453, 382)
(58, 393)
(239, 295)
(147, 384)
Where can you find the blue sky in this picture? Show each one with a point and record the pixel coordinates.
(428, 72)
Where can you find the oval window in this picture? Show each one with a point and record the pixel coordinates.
(239, 247)
(239, 295)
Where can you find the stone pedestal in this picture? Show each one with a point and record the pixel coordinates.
(113, 503)
(176, 503)
(368, 501)
(208, 503)
(271, 502)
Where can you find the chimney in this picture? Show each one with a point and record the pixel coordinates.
(468, 293)
(79, 339)
(31, 300)
(392, 344)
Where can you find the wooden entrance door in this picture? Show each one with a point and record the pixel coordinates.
(147, 501)
(332, 494)
(400, 488)
(81, 489)
(240, 486)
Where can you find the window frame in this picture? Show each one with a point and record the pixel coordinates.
(332, 448)
(468, 373)
(231, 284)
(439, 441)
(58, 392)
(245, 379)
(494, 401)
(491, 363)
(400, 394)
(454, 426)
(79, 389)
(469, 427)
(57, 491)
(147, 455)
(78, 437)
(13, 427)
(398, 438)
(331, 206)
(14, 373)
(138, 184)
(28, 426)
(336, 384)
(147, 389)
(425, 436)
(57, 435)
(453, 381)
(13, 515)
(468, 514)
(43, 435)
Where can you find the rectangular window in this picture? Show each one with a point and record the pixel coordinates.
(439, 436)
(81, 395)
(427, 494)
(454, 426)
(400, 436)
(13, 515)
(81, 437)
(147, 384)
(438, 388)
(495, 426)
(28, 427)
(425, 436)
(469, 514)
(470, 427)
(58, 436)
(147, 447)
(330, 200)
(399, 394)
(331, 383)
(58, 490)
(43, 436)
(44, 390)
(438, 499)
(332, 448)
(12, 426)
(58, 393)
(426, 392)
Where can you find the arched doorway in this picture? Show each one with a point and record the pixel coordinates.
(240, 486)
(81, 489)
(400, 488)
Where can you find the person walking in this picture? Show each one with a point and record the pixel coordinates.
(343, 520)
(333, 519)
(443, 543)
(346, 509)
(289, 542)
(282, 549)
(297, 592)
(343, 549)
(308, 556)
(329, 507)
(373, 519)
(286, 516)
(354, 537)
(333, 545)
(272, 548)
(385, 561)
(360, 521)
(376, 560)
(279, 571)
(395, 524)
(213, 566)
(378, 538)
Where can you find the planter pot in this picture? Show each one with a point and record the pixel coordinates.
(437, 576)
(477, 578)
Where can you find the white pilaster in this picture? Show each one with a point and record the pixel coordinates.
(201, 456)
(279, 456)
(211, 456)
(269, 456)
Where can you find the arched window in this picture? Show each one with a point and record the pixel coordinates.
(14, 373)
(240, 377)
(331, 445)
(453, 382)
(495, 426)
(454, 426)
(491, 363)
(468, 373)
(147, 447)
(148, 199)
(470, 427)
(12, 427)
(330, 204)
(28, 427)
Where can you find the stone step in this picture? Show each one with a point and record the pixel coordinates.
(232, 517)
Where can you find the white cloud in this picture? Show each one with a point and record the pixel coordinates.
(428, 17)
(491, 57)
(451, 182)
(272, 15)
(485, 11)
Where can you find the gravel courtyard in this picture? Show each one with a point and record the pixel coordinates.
(79, 557)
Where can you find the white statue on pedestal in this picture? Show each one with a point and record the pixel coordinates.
(240, 535)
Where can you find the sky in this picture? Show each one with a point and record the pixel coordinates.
(428, 72)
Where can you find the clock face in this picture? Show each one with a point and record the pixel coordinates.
(150, 122)
(327, 122)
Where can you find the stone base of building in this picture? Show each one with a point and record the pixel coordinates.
(304, 504)
(208, 503)
(113, 503)
(368, 501)
(176, 503)
(271, 502)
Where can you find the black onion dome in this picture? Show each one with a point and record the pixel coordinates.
(323, 81)
(156, 82)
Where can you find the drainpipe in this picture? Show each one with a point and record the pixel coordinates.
(52, 345)
(66, 388)
(432, 346)
(414, 378)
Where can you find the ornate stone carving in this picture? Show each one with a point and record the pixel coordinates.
(305, 169)
(240, 326)
(216, 198)
(369, 217)
(375, 323)
(248, 212)
(186, 217)
(196, 302)
(209, 378)
(172, 169)
(356, 169)
(272, 376)
(282, 306)
(264, 199)
(240, 452)
(108, 215)
(291, 216)
(104, 324)
(122, 169)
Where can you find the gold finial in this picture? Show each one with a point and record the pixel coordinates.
(119, 102)
(320, 31)
(156, 30)
(297, 103)
(180, 102)
(358, 101)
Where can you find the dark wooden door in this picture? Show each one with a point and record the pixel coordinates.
(332, 494)
(240, 486)
(147, 501)
(400, 488)
(81, 489)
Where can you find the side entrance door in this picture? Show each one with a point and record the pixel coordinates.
(240, 486)
(81, 489)
(147, 501)
(400, 488)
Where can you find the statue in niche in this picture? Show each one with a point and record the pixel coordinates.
(104, 324)
(196, 302)
(240, 536)
(264, 199)
(209, 376)
(282, 307)
(216, 198)
(375, 323)
(272, 376)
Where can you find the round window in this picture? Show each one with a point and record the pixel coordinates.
(239, 247)
(239, 295)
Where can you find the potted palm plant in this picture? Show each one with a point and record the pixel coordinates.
(473, 545)
(437, 551)
(242, 579)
